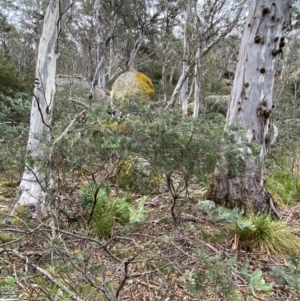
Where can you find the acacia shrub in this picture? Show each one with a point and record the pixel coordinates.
(10, 81)
(14, 127)
(172, 145)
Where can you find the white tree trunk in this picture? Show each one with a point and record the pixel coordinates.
(183, 99)
(36, 179)
(99, 76)
(111, 56)
(251, 104)
(179, 85)
(223, 29)
(197, 84)
(137, 45)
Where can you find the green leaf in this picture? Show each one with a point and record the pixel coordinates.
(10, 280)
(256, 281)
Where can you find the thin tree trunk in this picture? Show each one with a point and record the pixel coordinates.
(111, 56)
(36, 179)
(137, 45)
(220, 34)
(183, 99)
(197, 84)
(99, 76)
(164, 79)
(179, 85)
(251, 106)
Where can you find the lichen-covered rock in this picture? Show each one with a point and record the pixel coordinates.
(122, 127)
(136, 175)
(211, 104)
(133, 84)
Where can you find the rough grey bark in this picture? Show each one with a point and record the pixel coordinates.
(251, 105)
(36, 179)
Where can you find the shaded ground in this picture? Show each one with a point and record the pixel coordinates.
(59, 258)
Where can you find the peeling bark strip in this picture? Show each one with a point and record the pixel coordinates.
(36, 178)
(251, 102)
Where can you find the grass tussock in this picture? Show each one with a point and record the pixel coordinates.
(262, 233)
(104, 211)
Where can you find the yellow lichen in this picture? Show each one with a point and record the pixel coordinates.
(190, 109)
(110, 125)
(133, 84)
(147, 85)
(137, 175)
(126, 127)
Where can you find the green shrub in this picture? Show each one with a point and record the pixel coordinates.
(289, 274)
(14, 127)
(283, 186)
(214, 278)
(136, 175)
(10, 81)
(215, 271)
(255, 279)
(169, 148)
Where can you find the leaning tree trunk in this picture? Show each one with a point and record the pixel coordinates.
(36, 179)
(251, 106)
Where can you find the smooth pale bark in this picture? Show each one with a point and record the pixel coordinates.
(111, 56)
(197, 84)
(179, 85)
(183, 99)
(220, 33)
(251, 105)
(99, 76)
(36, 179)
(137, 45)
(166, 62)
(164, 78)
(110, 41)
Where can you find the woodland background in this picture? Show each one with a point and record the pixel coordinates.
(128, 218)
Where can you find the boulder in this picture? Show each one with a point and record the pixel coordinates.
(133, 84)
(212, 104)
(136, 175)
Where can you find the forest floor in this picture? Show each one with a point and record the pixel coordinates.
(155, 259)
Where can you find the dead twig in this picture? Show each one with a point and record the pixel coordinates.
(73, 295)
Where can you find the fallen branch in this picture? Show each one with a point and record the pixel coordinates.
(46, 274)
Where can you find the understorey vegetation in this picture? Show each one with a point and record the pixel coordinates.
(124, 210)
(128, 215)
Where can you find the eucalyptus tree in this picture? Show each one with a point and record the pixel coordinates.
(251, 106)
(109, 36)
(25, 19)
(36, 180)
(211, 22)
(99, 76)
(166, 41)
(147, 23)
(186, 54)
